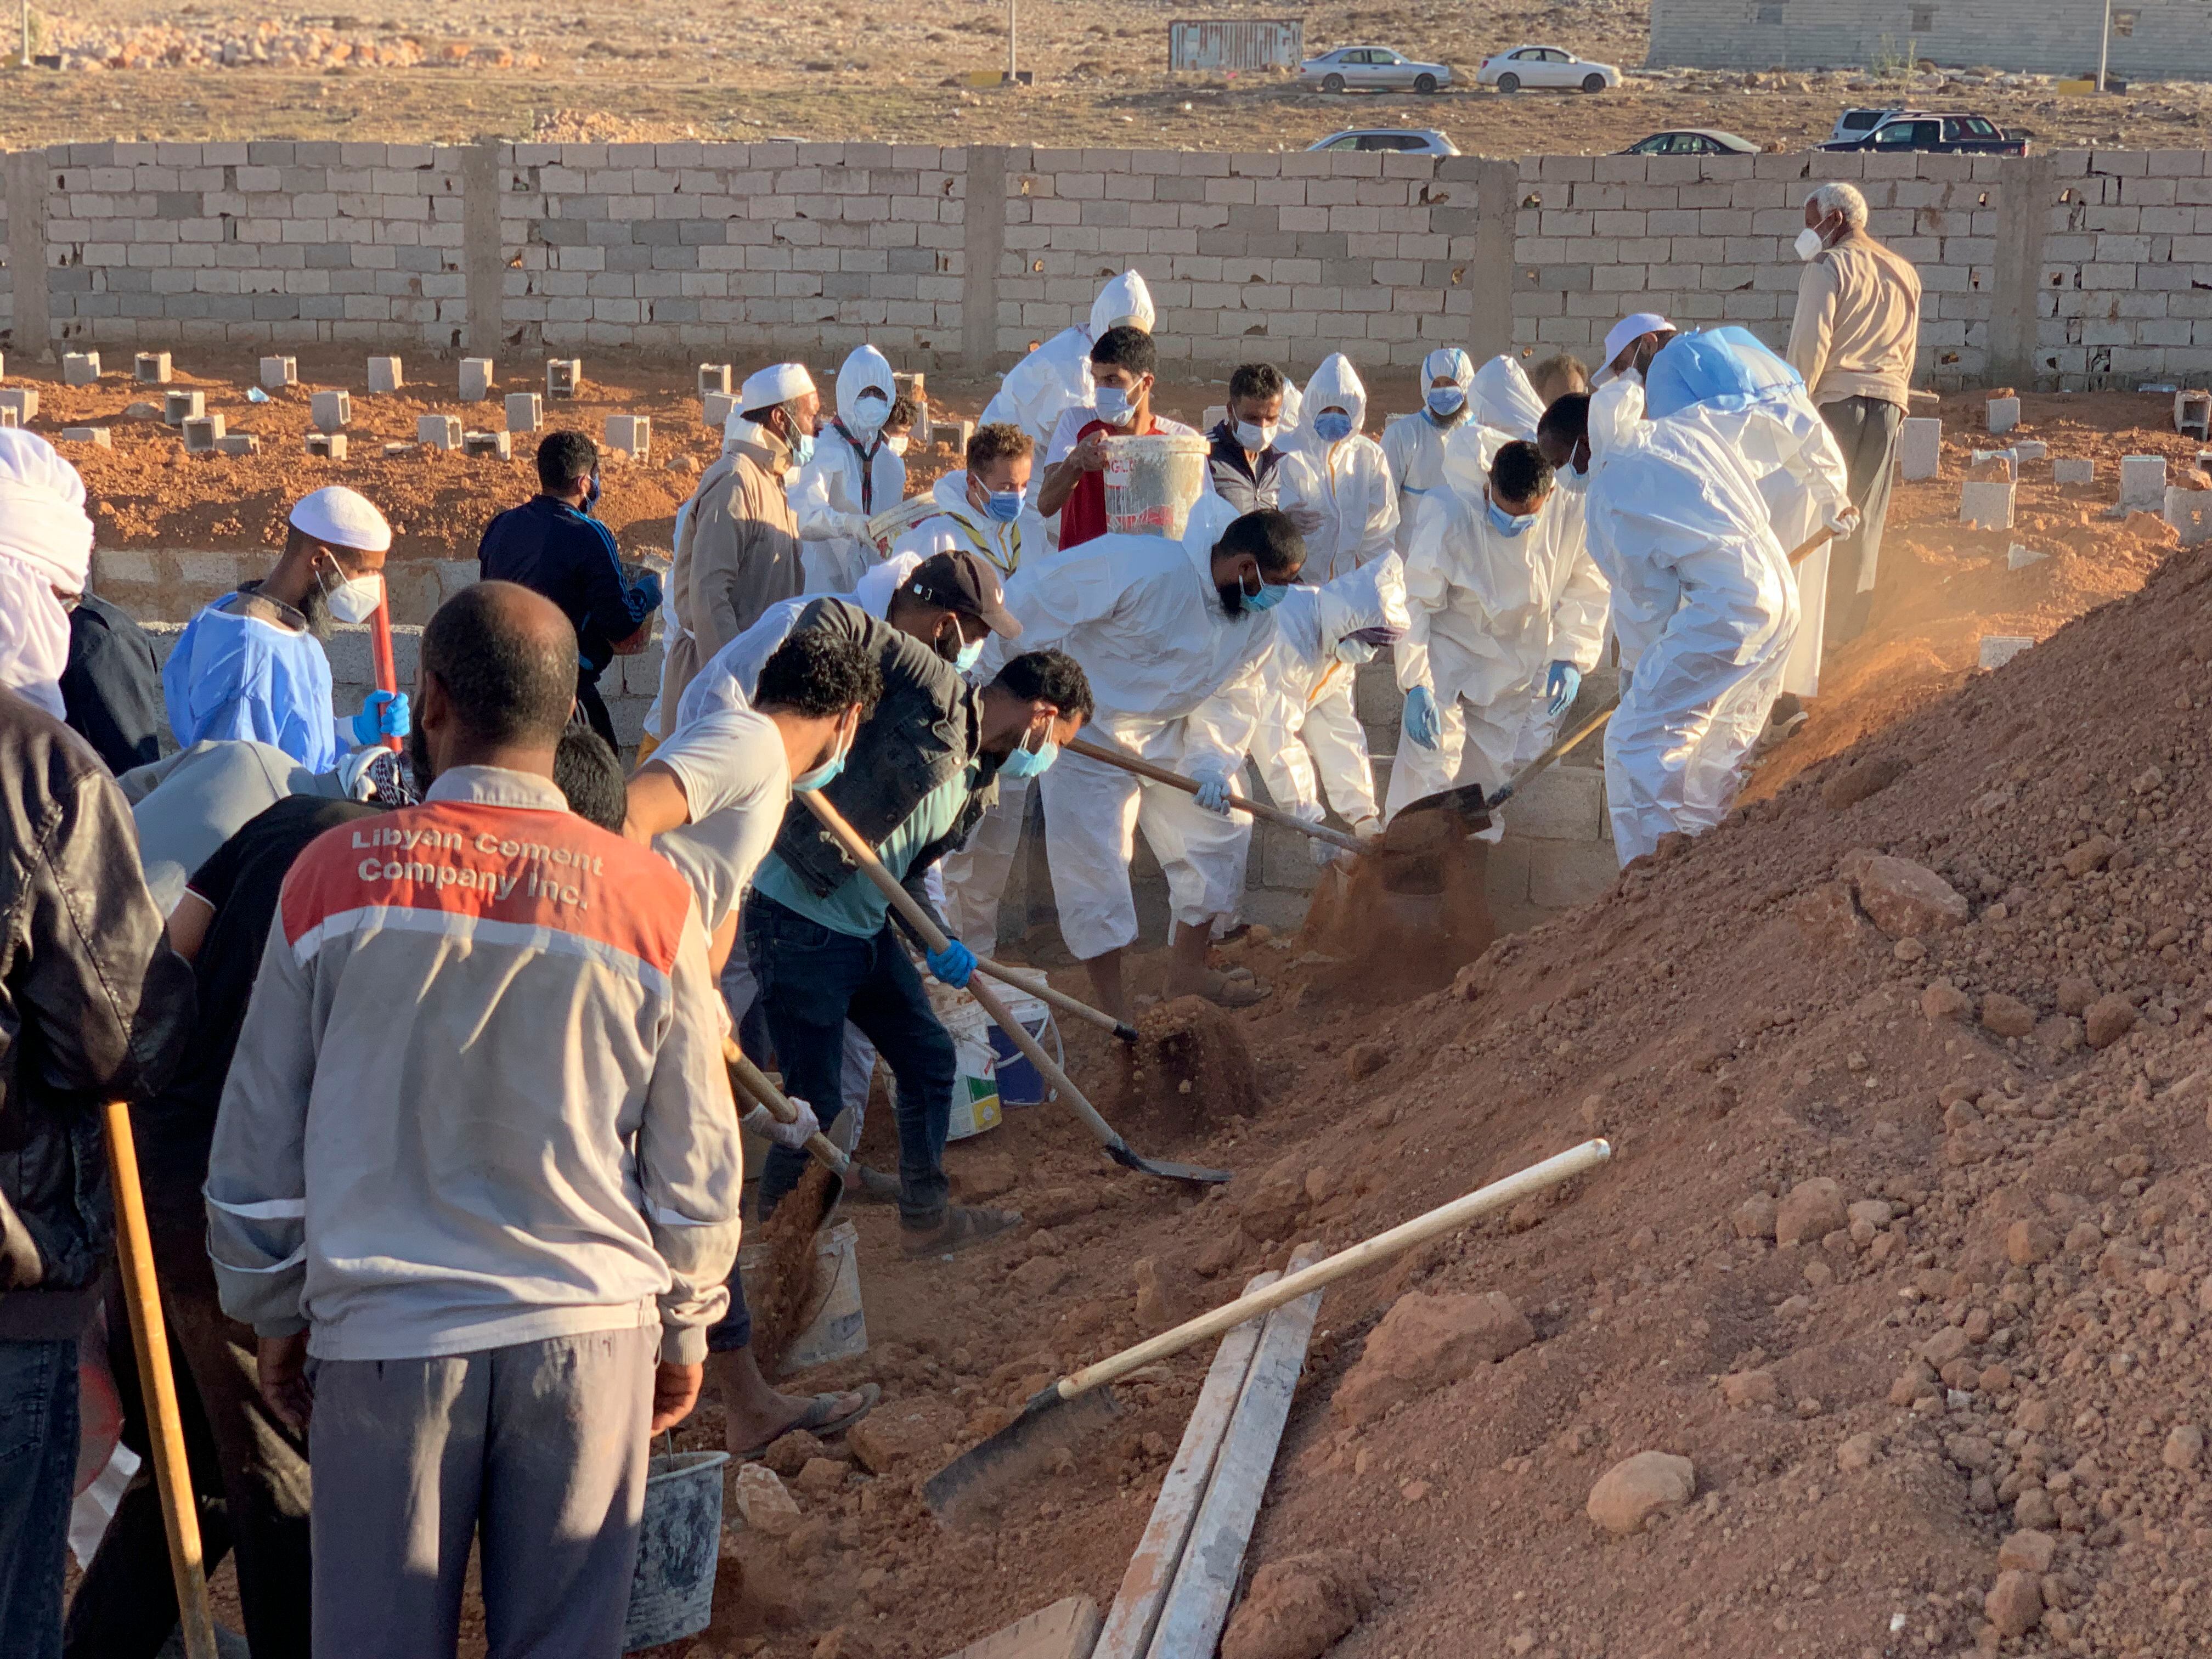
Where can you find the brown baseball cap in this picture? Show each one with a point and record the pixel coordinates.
(960, 581)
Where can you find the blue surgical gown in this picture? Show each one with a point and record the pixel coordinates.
(238, 676)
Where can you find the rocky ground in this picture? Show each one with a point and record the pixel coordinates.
(842, 69)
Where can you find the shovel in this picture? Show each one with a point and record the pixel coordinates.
(1144, 768)
(1079, 1400)
(1468, 802)
(753, 1083)
(933, 939)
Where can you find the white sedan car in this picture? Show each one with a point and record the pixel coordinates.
(1543, 66)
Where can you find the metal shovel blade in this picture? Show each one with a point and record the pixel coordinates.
(971, 1482)
(1121, 1152)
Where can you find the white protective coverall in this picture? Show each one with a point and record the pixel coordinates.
(1491, 613)
(853, 476)
(1176, 679)
(1504, 399)
(1413, 444)
(1802, 473)
(1347, 482)
(1297, 711)
(1704, 606)
(1057, 375)
(956, 526)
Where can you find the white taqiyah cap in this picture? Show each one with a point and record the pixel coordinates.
(343, 518)
(779, 383)
(1632, 327)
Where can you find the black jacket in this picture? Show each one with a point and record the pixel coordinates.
(94, 1006)
(113, 686)
(928, 727)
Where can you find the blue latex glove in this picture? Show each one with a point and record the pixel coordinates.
(953, 964)
(1213, 793)
(649, 584)
(1424, 724)
(1561, 684)
(384, 715)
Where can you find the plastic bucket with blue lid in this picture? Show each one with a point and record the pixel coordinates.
(1020, 1083)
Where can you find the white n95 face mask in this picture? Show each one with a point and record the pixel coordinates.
(354, 599)
(1254, 437)
(1809, 245)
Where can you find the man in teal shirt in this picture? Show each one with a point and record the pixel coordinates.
(824, 957)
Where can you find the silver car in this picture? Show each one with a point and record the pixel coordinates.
(1372, 69)
(1404, 141)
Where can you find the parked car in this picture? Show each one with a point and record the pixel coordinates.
(1406, 140)
(1372, 69)
(1942, 134)
(1693, 141)
(1857, 123)
(1543, 66)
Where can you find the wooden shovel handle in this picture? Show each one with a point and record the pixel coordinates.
(1144, 768)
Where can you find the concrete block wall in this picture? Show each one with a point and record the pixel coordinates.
(2078, 270)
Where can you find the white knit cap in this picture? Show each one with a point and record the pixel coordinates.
(338, 517)
(779, 383)
(1633, 327)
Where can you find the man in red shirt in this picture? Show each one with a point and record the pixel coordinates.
(1124, 366)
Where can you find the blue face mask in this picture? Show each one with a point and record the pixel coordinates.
(1114, 405)
(592, 493)
(1004, 506)
(1267, 598)
(1445, 402)
(1505, 523)
(1026, 763)
(1332, 426)
(822, 775)
(802, 449)
(971, 653)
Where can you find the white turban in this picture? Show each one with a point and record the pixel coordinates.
(779, 383)
(45, 543)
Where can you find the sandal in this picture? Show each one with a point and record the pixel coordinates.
(963, 1228)
(821, 1418)
(1237, 988)
(868, 1186)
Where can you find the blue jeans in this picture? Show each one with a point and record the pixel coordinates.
(38, 1477)
(812, 980)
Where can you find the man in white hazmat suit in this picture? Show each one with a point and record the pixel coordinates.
(1308, 739)
(854, 474)
(1748, 392)
(1172, 634)
(1056, 376)
(1704, 608)
(1413, 444)
(1334, 482)
(979, 507)
(1503, 399)
(1507, 613)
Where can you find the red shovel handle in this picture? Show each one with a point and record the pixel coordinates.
(379, 645)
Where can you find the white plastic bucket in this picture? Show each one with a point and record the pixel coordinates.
(975, 1070)
(835, 1327)
(1151, 483)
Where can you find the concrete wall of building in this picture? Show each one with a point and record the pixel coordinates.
(2078, 270)
(2165, 40)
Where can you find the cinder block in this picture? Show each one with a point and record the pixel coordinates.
(2003, 414)
(2018, 558)
(715, 409)
(331, 411)
(21, 401)
(178, 407)
(2192, 413)
(1564, 804)
(713, 378)
(1563, 873)
(328, 446)
(2073, 472)
(564, 376)
(237, 443)
(10, 417)
(630, 435)
(2026, 450)
(80, 367)
(1998, 649)
(526, 411)
(2143, 483)
(384, 374)
(280, 372)
(476, 376)
(98, 437)
(498, 446)
(1985, 504)
(438, 431)
(202, 433)
(2005, 458)
(2190, 512)
(150, 368)
(1920, 447)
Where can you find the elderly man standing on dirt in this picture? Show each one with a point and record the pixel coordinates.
(1853, 338)
(738, 549)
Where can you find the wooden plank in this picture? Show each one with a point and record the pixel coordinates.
(1197, 1606)
(1136, 1609)
(1065, 1629)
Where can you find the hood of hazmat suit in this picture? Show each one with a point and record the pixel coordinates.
(1706, 609)
(853, 477)
(45, 543)
(1125, 299)
(1413, 443)
(1346, 486)
(1502, 397)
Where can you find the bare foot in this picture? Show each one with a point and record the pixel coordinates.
(754, 1414)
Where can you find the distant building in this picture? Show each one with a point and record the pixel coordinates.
(2152, 40)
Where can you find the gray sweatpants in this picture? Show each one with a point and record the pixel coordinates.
(1866, 430)
(543, 1445)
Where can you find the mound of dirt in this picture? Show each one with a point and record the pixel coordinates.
(1188, 1068)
